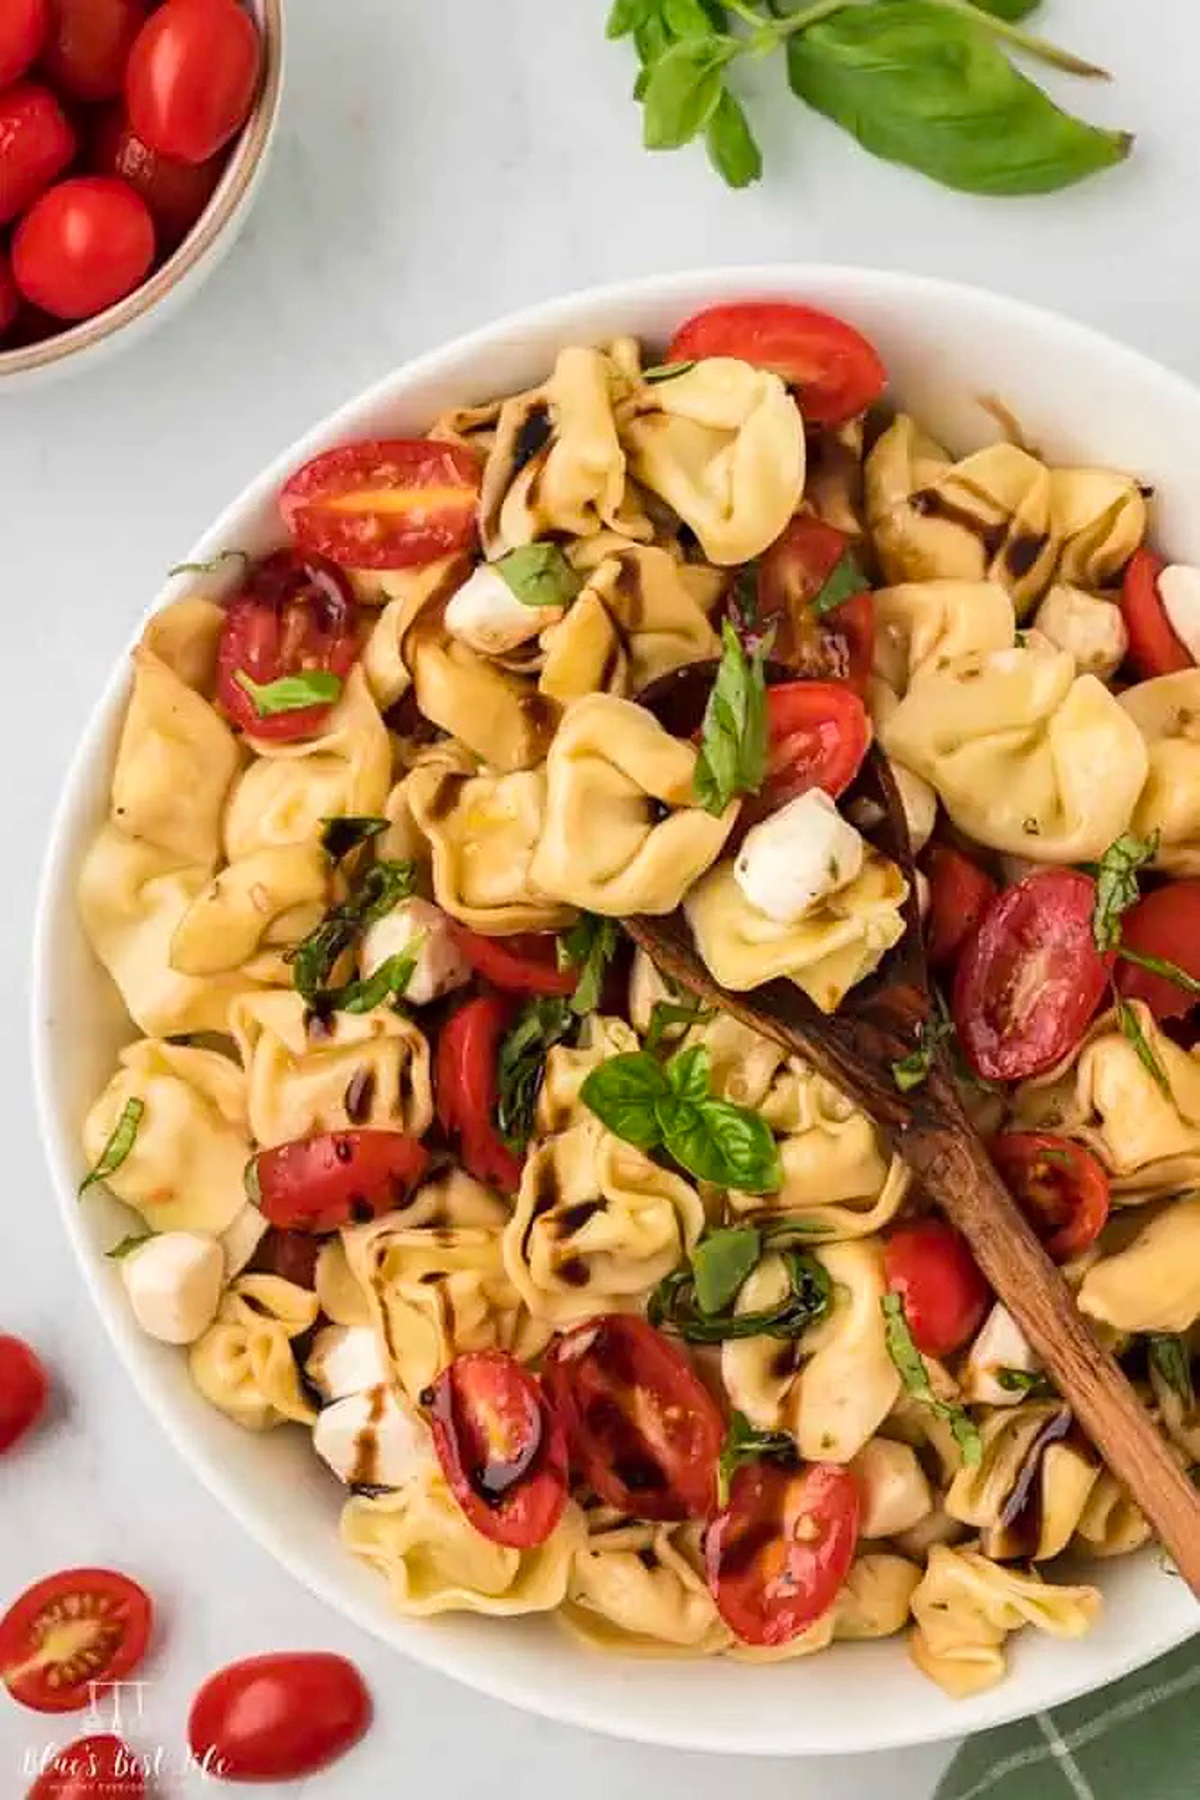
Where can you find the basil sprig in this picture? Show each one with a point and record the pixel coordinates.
(745, 1444)
(589, 946)
(733, 740)
(1170, 1357)
(341, 835)
(697, 1301)
(291, 693)
(668, 1107)
(539, 575)
(120, 1143)
(380, 887)
(521, 1063)
(844, 580)
(911, 1366)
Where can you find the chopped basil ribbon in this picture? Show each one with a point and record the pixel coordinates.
(1131, 1029)
(1029, 1385)
(733, 741)
(129, 1244)
(589, 947)
(521, 1063)
(389, 982)
(539, 575)
(915, 1376)
(291, 693)
(842, 583)
(697, 1300)
(670, 1108)
(744, 1444)
(914, 1069)
(1169, 1356)
(380, 887)
(339, 836)
(1160, 965)
(721, 1262)
(667, 371)
(212, 566)
(1117, 886)
(666, 1013)
(118, 1146)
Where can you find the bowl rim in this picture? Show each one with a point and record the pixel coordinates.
(222, 210)
(567, 1703)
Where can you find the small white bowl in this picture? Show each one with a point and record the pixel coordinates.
(1078, 396)
(202, 250)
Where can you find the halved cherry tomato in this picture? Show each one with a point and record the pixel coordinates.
(70, 1631)
(10, 300)
(524, 964)
(192, 76)
(83, 246)
(337, 1178)
(502, 1449)
(643, 1430)
(92, 1768)
(945, 1295)
(779, 1552)
(817, 736)
(89, 44)
(22, 30)
(1154, 648)
(36, 144)
(838, 646)
(466, 1089)
(293, 615)
(278, 1717)
(836, 373)
(23, 1390)
(1030, 979)
(1165, 923)
(385, 504)
(176, 192)
(1060, 1187)
(959, 895)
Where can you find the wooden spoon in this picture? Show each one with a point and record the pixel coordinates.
(877, 1025)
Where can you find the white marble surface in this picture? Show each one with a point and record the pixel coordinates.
(438, 164)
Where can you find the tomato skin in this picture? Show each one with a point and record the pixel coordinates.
(22, 32)
(101, 1767)
(770, 1585)
(122, 1616)
(1154, 648)
(1164, 923)
(292, 1255)
(293, 613)
(23, 1390)
(336, 1178)
(83, 246)
(1030, 978)
(840, 645)
(89, 44)
(10, 300)
(643, 1429)
(36, 144)
(175, 192)
(817, 736)
(945, 1295)
(524, 964)
(502, 1450)
(1061, 1188)
(959, 895)
(278, 1717)
(466, 1089)
(388, 503)
(834, 371)
(192, 76)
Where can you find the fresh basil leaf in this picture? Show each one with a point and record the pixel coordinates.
(388, 982)
(291, 693)
(212, 566)
(743, 1444)
(674, 1305)
(666, 372)
(624, 1093)
(539, 575)
(380, 887)
(1012, 10)
(521, 1064)
(684, 91)
(722, 1143)
(1131, 1029)
(589, 946)
(626, 15)
(688, 1073)
(128, 1245)
(667, 1013)
(918, 84)
(1169, 1355)
(733, 743)
(1030, 1385)
(120, 1143)
(732, 149)
(341, 835)
(842, 583)
(1159, 965)
(1117, 886)
(688, 18)
(910, 1365)
(915, 1068)
(721, 1262)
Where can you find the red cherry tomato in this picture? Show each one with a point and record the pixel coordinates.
(83, 246)
(278, 1717)
(23, 1390)
(467, 1088)
(835, 372)
(782, 1548)
(835, 646)
(945, 1296)
(643, 1430)
(176, 192)
(292, 1255)
(501, 1448)
(36, 144)
(10, 300)
(337, 1178)
(92, 1768)
(524, 964)
(293, 615)
(1060, 1187)
(1165, 923)
(1154, 648)
(89, 44)
(22, 31)
(384, 504)
(192, 77)
(1030, 979)
(959, 895)
(70, 1631)
(817, 736)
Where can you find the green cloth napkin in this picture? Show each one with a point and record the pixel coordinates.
(1136, 1740)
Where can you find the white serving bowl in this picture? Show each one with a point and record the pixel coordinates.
(1078, 396)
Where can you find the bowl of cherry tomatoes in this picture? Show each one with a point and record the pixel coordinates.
(133, 137)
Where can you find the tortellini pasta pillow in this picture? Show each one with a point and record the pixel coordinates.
(347, 766)
(636, 619)
(569, 1065)
(923, 625)
(1154, 1283)
(639, 1589)
(1099, 519)
(175, 761)
(966, 1606)
(247, 903)
(874, 1599)
(1167, 714)
(1064, 1474)
(244, 1364)
(484, 832)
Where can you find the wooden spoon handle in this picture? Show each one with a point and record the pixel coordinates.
(952, 1164)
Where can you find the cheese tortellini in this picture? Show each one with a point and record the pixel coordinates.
(639, 1588)
(966, 1607)
(244, 1363)
(1167, 714)
(485, 833)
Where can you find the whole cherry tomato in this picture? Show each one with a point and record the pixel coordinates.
(1154, 648)
(502, 1450)
(192, 77)
(23, 1390)
(526, 963)
(278, 1717)
(945, 1295)
(89, 43)
(83, 246)
(69, 1632)
(817, 736)
(1164, 924)
(1060, 1187)
(294, 615)
(834, 371)
(22, 31)
(959, 895)
(36, 144)
(336, 1178)
(176, 192)
(92, 1768)
(781, 1549)
(834, 645)
(384, 504)
(466, 1086)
